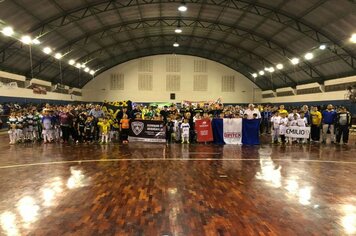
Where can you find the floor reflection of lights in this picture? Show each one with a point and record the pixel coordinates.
(348, 221)
(8, 223)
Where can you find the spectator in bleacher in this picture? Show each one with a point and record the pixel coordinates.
(328, 121)
(343, 124)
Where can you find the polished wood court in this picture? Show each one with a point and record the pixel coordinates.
(155, 189)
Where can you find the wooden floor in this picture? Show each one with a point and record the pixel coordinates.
(154, 189)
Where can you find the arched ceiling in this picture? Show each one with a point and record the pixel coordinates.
(244, 35)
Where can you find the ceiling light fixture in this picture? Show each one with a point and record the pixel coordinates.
(175, 44)
(279, 66)
(47, 50)
(26, 39)
(261, 72)
(71, 62)
(271, 69)
(58, 55)
(254, 75)
(7, 31)
(92, 72)
(309, 56)
(78, 65)
(86, 69)
(182, 7)
(295, 61)
(353, 38)
(322, 47)
(178, 30)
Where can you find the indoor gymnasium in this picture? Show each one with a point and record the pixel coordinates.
(177, 117)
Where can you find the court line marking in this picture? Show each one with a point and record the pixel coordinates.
(168, 159)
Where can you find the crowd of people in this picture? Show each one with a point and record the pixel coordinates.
(91, 123)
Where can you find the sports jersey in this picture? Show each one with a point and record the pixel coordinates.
(302, 122)
(185, 129)
(12, 122)
(104, 127)
(125, 123)
(275, 120)
(29, 119)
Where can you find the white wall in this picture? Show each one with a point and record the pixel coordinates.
(28, 93)
(99, 88)
(327, 96)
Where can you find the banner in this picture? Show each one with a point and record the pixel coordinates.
(218, 134)
(297, 132)
(204, 130)
(232, 129)
(147, 131)
(251, 131)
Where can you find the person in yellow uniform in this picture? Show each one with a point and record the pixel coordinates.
(282, 110)
(105, 128)
(315, 124)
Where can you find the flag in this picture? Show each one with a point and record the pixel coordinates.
(218, 133)
(250, 132)
(204, 131)
(232, 129)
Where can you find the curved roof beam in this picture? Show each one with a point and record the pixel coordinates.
(204, 41)
(244, 69)
(185, 22)
(242, 5)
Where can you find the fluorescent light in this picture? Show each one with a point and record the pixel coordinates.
(83, 65)
(86, 69)
(92, 72)
(254, 75)
(71, 62)
(261, 72)
(36, 41)
(295, 61)
(176, 44)
(8, 31)
(178, 30)
(26, 39)
(353, 38)
(78, 65)
(322, 47)
(271, 69)
(47, 50)
(279, 66)
(309, 56)
(58, 55)
(182, 7)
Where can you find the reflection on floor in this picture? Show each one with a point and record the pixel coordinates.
(154, 189)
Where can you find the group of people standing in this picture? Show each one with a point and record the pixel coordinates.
(328, 122)
(94, 123)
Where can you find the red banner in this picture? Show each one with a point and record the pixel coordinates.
(204, 130)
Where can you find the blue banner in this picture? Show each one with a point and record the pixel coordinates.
(218, 131)
(250, 132)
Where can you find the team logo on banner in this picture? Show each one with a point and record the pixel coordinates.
(137, 127)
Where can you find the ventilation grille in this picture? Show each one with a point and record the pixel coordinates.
(268, 95)
(145, 82)
(173, 83)
(145, 65)
(117, 82)
(228, 83)
(173, 64)
(286, 93)
(309, 90)
(339, 87)
(200, 83)
(200, 66)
